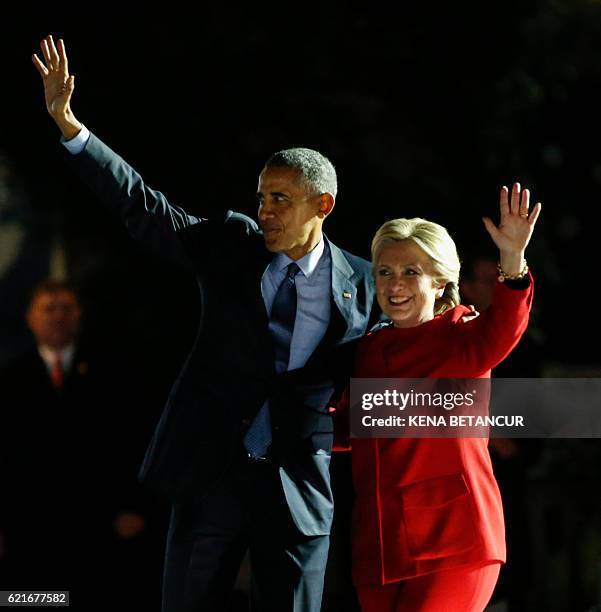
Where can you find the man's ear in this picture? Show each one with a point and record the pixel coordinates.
(326, 204)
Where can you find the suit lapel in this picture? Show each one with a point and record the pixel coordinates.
(38, 375)
(344, 291)
(343, 303)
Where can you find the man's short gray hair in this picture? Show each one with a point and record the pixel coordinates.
(317, 170)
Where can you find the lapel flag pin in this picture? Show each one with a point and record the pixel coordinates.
(346, 295)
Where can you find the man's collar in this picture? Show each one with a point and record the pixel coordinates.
(49, 355)
(307, 263)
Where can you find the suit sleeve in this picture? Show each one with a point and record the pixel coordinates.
(146, 213)
(342, 409)
(342, 426)
(484, 342)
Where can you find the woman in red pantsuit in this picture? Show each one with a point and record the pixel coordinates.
(428, 532)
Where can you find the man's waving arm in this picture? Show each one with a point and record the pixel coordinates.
(147, 214)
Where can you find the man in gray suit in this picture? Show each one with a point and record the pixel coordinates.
(243, 445)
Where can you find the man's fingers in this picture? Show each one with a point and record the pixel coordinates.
(46, 53)
(39, 65)
(70, 85)
(53, 53)
(63, 56)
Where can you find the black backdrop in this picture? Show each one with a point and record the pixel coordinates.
(426, 109)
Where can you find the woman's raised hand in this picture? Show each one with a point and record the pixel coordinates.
(515, 228)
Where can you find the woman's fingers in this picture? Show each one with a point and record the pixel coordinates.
(504, 201)
(525, 203)
(519, 203)
(515, 199)
(492, 229)
(534, 214)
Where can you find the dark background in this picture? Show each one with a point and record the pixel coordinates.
(426, 109)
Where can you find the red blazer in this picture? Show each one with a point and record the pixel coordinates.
(424, 505)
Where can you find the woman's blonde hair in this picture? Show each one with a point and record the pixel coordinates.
(436, 243)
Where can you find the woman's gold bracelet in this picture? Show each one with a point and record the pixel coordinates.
(503, 276)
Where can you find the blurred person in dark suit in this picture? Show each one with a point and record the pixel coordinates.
(476, 287)
(68, 504)
(512, 458)
(24, 257)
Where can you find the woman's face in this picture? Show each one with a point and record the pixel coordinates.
(405, 285)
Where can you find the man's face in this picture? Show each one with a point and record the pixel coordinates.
(54, 317)
(289, 214)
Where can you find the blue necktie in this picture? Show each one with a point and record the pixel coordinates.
(281, 325)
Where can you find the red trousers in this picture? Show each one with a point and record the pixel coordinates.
(458, 590)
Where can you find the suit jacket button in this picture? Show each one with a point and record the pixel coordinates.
(245, 421)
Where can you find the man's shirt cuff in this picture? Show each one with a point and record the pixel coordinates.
(78, 143)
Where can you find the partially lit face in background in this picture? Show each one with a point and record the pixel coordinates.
(54, 318)
(478, 289)
(405, 284)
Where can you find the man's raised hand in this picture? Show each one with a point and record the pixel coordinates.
(58, 85)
